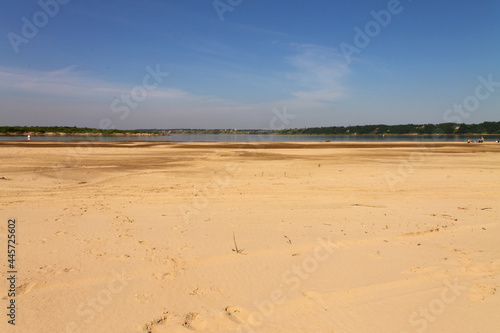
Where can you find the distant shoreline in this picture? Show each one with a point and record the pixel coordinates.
(239, 133)
(79, 134)
(443, 129)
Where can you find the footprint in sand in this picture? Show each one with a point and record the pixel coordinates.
(152, 325)
(152, 259)
(237, 314)
(423, 270)
(175, 261)
(95, 252)
(198, 292)
(464, 257)
(195, 321)
(203, 291)
(25, 288)
(165, 276)
(480, 291)
(143, 298)
(66, 270)
(43, 270)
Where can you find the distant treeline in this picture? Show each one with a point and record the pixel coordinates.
(487, 127)
(214, 131)
(41, 130)
(484, 128)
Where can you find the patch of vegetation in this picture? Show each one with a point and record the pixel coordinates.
(65, 130)
(487, 127)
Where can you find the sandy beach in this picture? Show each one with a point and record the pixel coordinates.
(265, 237)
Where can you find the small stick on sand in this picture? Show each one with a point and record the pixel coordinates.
(236, 245)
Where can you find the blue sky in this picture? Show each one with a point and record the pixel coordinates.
(239, 63)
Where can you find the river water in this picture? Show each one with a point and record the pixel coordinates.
(261, 138)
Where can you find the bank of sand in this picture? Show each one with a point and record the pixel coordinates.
(137, 237)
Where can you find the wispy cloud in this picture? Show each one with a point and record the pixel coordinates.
(69, 82)
(61, 88)
(58, 83)
(318, 72)
(312, 83)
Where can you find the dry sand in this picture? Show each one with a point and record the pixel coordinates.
(138, 237)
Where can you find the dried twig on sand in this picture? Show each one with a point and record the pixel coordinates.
(236, 246)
